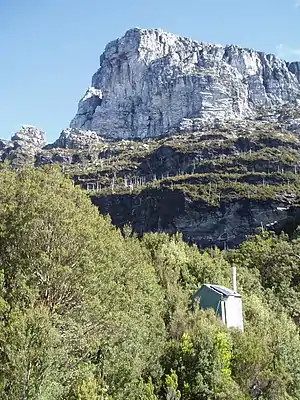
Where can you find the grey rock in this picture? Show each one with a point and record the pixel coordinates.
(44, 158)
(5, 144)
(5, 147)
(151, 83)
(76, 139)
(294, 67)
(205, 225)
(30, 137)
(61, 158)
(23, 146)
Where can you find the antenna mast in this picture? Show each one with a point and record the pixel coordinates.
(234, 279)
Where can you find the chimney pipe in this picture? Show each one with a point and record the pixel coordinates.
(234, 279)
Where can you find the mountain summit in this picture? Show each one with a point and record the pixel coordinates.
(152, 83)
(221, 155)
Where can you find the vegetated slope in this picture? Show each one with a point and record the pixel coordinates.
(216, 186)
(87, 314)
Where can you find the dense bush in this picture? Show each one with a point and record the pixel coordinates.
(88, 314)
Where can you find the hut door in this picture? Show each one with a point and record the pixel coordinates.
(223, 311)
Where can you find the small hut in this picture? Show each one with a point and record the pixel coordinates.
(226, 303)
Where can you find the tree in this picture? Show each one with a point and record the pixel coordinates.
(201, 361)
(266, 357)
(275, 261)
(70, 286)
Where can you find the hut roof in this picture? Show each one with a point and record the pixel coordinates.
(222, 290)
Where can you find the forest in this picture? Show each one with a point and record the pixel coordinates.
(90, 313)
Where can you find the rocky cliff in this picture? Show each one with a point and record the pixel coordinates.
(152, 83)
(180, 136)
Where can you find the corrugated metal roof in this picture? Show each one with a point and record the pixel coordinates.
(223, 290)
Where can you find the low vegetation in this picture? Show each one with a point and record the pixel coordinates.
(232, 162)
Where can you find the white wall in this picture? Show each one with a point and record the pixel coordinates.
(234, 312)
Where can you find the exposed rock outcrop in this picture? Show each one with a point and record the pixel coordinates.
(30, 137)
(151, 83)
(226, 225)
(76, 139)
(23, 145)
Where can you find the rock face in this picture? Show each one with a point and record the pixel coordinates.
(76, 139)
(30, 137)
(23, 145)
(218, 154)
(226, 225)
(151, 83)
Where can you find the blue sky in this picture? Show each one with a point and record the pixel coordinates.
(51, 48)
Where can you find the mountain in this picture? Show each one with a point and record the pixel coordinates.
(151, 83)
(180, 136)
